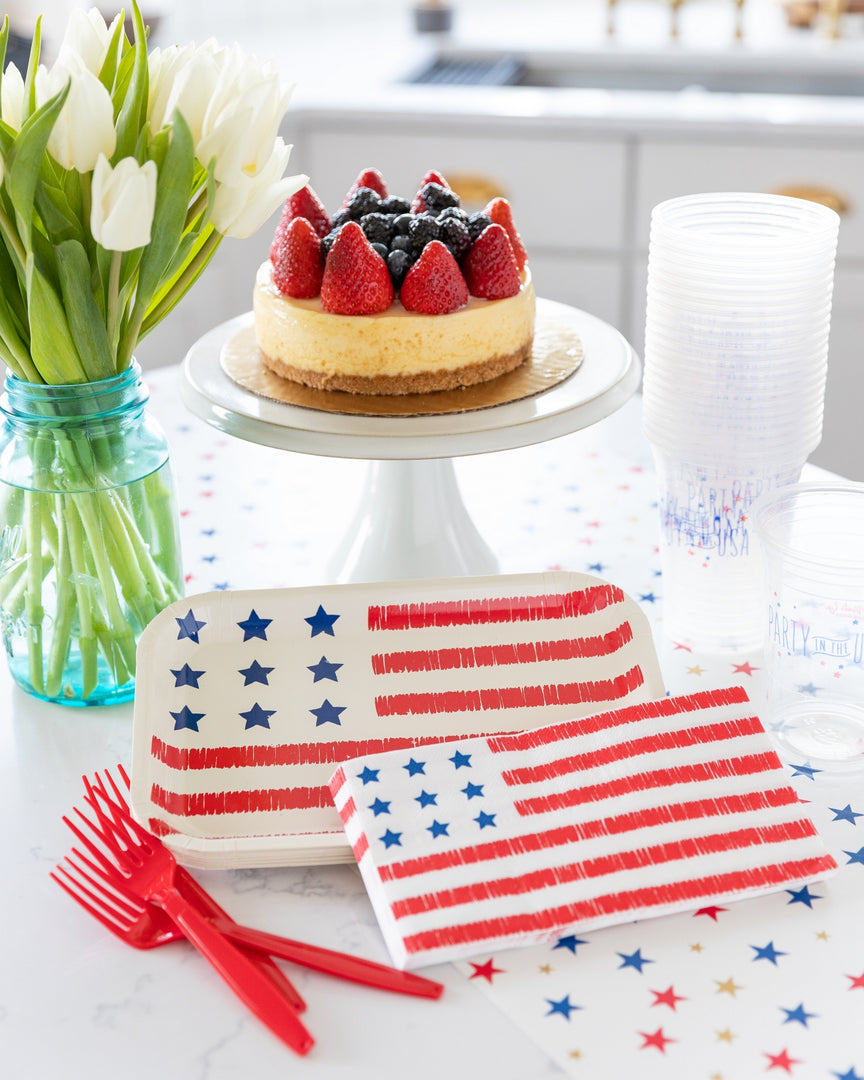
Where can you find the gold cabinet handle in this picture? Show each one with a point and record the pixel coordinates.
(825, 196)
(474, 188)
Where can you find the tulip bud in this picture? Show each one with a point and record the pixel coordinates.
(123, 203)
(241, 208)
(86, 40)
(85, 126)
(12, 97)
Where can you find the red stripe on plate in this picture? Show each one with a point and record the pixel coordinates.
(524, 652)
(495, 610)
(214, 803)
(623, 861)
(590, 830)
(635, 900)
(509, 697)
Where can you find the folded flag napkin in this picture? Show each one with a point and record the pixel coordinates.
(499, 841)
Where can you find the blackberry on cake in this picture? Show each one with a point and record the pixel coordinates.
(391, 295)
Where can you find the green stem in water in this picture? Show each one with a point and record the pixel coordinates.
(65, 605)
(34, 612)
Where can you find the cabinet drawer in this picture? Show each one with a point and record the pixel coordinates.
(565, 194)
(594, 285)
(670, 168)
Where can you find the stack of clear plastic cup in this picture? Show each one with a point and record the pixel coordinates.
(736, 357)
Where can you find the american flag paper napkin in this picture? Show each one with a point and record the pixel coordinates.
(645, 810)
(247, 700)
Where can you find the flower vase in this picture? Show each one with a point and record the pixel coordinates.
(89, 535)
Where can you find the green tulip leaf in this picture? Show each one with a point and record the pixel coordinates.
(133, 110)
(86, 323)
(24, 162)
(51, 346)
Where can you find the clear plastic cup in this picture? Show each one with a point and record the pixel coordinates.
(812, 536)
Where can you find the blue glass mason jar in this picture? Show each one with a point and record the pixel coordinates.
(89, 535)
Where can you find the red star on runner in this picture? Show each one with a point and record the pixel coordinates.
(656, 1038)
(781, 1061)
(711, 911)
(485, 971)
(686, 648)
(666, 997)
(857, 982)
(744, 669)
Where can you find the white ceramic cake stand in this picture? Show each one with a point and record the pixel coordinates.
(411, 521)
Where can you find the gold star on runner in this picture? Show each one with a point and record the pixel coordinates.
(545, 969)
(697, 947)
(728, 987)
(823, 935)
(575, 1054)
(695, 670)
(727, 1035)
(716, 1076)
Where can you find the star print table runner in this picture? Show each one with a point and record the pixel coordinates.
(644, 810)
(248, 699)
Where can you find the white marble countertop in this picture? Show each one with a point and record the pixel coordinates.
(78, 1004)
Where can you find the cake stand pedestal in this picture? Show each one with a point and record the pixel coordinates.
(411, 521)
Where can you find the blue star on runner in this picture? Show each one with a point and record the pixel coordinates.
(379, 807)
(186, 719)
(562, 1007)
(368, 776)
(799, 1015)
(254, 626)
(848, 1075)
(391, 838)
(634, 960)
(473, 791)
(485, 820)
(855, 856)
(803, 896)
(321, 622)
(570, 942)
(767, 952)
(328, 714)
(255, 673)
(439, 828)
(426, 798)
(415, 767)
(323, 670)
(189, 627)
(461, 761)
(804, 770)
(185, 676)
(257, 717)
(846, 814)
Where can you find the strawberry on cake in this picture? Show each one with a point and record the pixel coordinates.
(392, 297)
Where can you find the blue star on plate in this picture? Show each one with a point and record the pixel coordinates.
(379, 807)
(321, 622)
(426, 798)
(323, 670)
(472, 791)
(189, 627)
(562, 1007)
(799, 1015)
(185, 676)
(846, 814)
(254, 626)
(855, 856)
(415, 767)
(328, 714)
(255, 673)
(802, 896)
(766, 952)
(186, 719)
(461, 761)
(570, 942)
(368, 776)
(634, 960)
(485, 820)
(257, 717)
(391, 838)
(438, 828)
(804, 770)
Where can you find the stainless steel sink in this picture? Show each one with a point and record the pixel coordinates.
(736, 72)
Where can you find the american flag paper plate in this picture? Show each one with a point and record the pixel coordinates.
(645, 810)
(247, 700)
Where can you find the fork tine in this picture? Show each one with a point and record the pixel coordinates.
(115, 927)
(112, 906)
(112, 887)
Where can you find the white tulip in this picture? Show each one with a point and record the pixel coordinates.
(85, 127)
(182, 79)
(12, 98)
(123, 202)
(241, 208)
(86, 40)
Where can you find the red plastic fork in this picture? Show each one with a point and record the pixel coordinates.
(148, 870)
